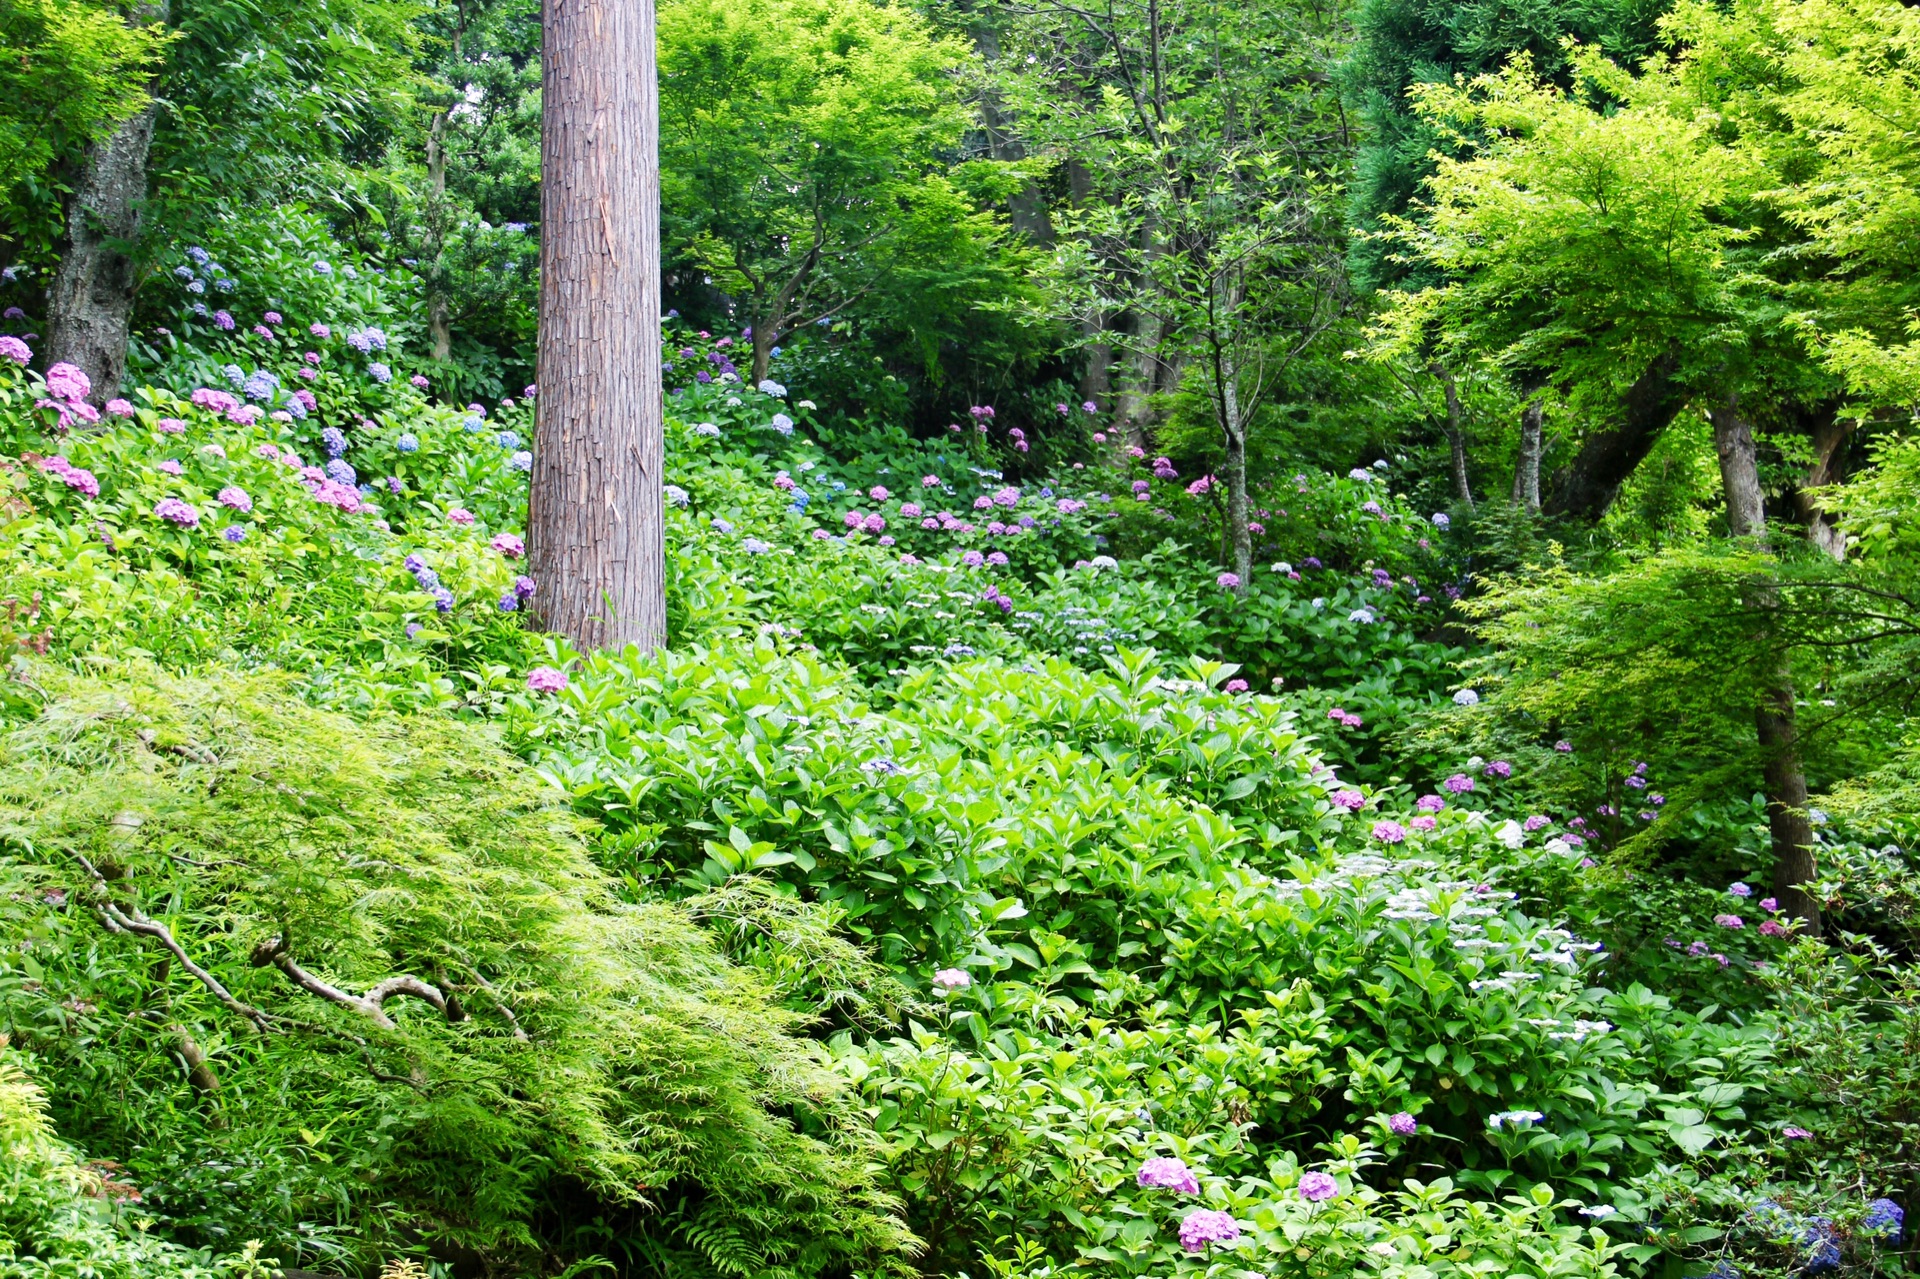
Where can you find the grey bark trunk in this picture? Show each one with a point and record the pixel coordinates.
(1456, 437)
(1526, 470)
(90, 304)
(1785, 776)
(596, 520)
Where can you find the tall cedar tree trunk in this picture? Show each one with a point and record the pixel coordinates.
(1786, 778)
(597, 549)
(439, 322)
(1456, 437)
(90, 304)
(1526, 467)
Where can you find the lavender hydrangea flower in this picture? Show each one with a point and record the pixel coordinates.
(1206, 1226)
(235, 498)
(334, 441)
(1402, 1124)
(235, 533)
(1318, 1187)
(175, 511)
(341, 471)
(379, 372)
(1163, 1172)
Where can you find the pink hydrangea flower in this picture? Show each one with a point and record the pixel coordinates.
(12, 348)
(171, 467)
(1429, 803)
(1425, 821)
(1228, 581)
(67, 382)
(460, 515)
(234, 497)
(1352, 800)
(878, 493)
(1729, 921)
(952, 979)
(545, 679)
(1236, 686)
(1389, 832)
(171, 426)
(1459, 783)
(508, 545)
(119, 407)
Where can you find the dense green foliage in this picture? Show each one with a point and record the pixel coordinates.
(1127, 792)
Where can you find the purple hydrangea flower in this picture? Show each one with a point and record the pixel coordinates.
(1459, 783)
(235, 532)
(1402, 1124)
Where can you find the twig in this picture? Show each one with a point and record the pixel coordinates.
(369, 1005)
(130, 920)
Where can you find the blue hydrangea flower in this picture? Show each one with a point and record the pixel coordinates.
(1884, 1218)
(379, 372)
(341, 471)
(236, 376)
(196, 286)
(184, 272)
(407, 443)
(473, 422)
(510, 602)
(235, 533)
(198, 254)
(442, 599)
(508, 440)
(223, 284)
(260, 385)
(334, 441)
(521, 461)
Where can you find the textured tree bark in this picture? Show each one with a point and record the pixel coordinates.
(1585, 489)
(90, 303)
(1526, 468)
(596, 521)
(1788, 825)
(1456, 437)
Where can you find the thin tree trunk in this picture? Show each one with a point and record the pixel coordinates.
(1526, 469)
(1236, 432)
(1096, 376)
(1456, 436)
(90, 304)
(1143, 359)
(596, 521)
(1774, 726)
